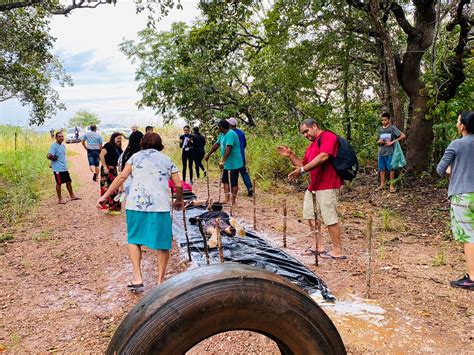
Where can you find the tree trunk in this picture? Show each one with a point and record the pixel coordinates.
(419, 135)
(389, 59)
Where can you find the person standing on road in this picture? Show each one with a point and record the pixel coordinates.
(388, 134)
(231, 160)
(324, 182)
(199, 143)
(148, 206)
(57, 155)
(92, 142)
(243, 144)
(108, 172)
(187, 152)
(458, 162)
(133, 147)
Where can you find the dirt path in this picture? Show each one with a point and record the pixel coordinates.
(64, 275)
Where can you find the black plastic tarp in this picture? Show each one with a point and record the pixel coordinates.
(249, 250)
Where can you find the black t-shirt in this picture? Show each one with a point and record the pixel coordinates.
(186, 141)
(199, 143)
(113, 153)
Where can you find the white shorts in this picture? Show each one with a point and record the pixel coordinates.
(326, 206)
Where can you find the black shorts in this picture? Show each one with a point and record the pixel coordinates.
(234, 177)
(62, 177)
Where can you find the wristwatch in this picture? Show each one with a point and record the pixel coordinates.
(302, 172)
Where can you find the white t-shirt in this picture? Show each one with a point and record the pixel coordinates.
(149, 190)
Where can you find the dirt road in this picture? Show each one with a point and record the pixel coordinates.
(64, 275)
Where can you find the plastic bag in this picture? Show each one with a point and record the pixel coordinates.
(398, 158)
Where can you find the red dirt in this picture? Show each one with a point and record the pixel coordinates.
(64, 274)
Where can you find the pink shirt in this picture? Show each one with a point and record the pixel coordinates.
(324, 177)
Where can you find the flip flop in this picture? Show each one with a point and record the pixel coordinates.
(329, 256)
(309, 252)
(76, 198)
(132, 285)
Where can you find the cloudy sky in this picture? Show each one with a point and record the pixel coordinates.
(87, 43)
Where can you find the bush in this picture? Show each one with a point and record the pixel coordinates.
(23, 172)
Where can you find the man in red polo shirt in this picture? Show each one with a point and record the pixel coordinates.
(324, 182)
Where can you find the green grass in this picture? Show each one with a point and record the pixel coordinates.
(24, 171)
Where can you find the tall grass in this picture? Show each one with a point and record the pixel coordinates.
(24, 171)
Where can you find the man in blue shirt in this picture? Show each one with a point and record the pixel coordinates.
(57, 155)
(243, 144)
(94, 145)
(231, 160)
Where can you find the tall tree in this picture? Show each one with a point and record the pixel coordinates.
(84, 118)
(27, 67)
(419, 37)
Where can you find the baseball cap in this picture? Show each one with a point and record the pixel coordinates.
(232, 121)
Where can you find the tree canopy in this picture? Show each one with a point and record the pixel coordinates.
(340, 62)
(27, 66)
(84, 118)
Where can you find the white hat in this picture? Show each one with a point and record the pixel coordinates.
(232, 121)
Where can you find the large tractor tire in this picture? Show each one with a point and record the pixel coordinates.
(200, 303)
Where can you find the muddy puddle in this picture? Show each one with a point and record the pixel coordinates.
(370, 326)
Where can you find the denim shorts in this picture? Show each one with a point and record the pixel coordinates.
(384, 162)
(93, 157)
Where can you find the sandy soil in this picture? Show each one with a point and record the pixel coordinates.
(64, 274)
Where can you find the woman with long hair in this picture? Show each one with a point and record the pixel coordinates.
(132, 148)
(458, 162)
(109, 156)
(148, 205)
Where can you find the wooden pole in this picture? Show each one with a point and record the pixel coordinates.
(206, 249)
(220, 186)
(369, 255)
(16, 137)
(207, 180)
(219, 240)
(186, 233)
(316, 261)
(284, 222)
(254, 205)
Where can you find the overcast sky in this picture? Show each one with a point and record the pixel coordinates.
(87, 44)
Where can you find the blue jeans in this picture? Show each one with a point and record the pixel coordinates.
(246, 178)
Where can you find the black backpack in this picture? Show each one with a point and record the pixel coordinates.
(345, 162)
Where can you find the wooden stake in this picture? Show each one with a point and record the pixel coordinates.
(206, 249)
(186, 233)
(220, 187)
(207, 180)
(219, 240)
(316, 261)
(284, 222)
(369, 256)
(254, 205)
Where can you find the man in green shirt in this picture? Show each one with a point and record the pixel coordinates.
(231, 160)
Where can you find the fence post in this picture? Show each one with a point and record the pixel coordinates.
(284, 222)
(254, 205)
(369, 255)
(316, 261)
(186, 233)
(16, 137)
(219, 240)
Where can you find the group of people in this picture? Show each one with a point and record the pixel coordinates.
(148, 207)
(457, 162)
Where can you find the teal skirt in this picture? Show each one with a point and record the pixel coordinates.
(152, 229)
